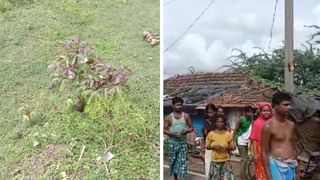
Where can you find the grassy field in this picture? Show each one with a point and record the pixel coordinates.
(50, 144)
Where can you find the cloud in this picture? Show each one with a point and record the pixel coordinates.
(227, 25)
(196, 52)
(316, 10)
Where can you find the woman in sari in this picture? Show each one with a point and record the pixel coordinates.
(255, 137)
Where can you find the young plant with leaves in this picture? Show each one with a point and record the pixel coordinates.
(84, 73)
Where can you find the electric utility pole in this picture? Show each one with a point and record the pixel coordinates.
(289, 65)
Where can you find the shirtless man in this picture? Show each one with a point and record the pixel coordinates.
(279, 148)
(177, 125)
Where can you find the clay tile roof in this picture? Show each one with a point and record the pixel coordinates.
(242, 97)
(191, 80)
(233, 89)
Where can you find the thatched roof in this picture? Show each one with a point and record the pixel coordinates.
(304, 107)
(306, 112)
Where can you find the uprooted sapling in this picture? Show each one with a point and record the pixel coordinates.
(85, 74)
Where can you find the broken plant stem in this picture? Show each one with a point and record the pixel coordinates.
(82, 151)
(113, 131)
(104, 142)
(106, 167)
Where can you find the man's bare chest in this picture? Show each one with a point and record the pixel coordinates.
(282, 134)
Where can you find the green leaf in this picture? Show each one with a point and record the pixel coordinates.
(92, 96)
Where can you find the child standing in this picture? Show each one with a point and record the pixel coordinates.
(221, 143)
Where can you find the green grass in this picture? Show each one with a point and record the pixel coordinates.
(29, 40)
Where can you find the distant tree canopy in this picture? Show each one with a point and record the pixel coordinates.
(269, 67)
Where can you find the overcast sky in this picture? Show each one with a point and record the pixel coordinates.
(228, 24)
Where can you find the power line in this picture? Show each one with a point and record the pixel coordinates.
(168, 2)
(190, 26)
(272, 25)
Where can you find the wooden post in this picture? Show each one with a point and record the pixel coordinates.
(288, 79)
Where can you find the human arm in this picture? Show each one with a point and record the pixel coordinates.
(215, 148)
(295, 145)
(236, 128)
(231, 145)
(253, 140)
(266, 136)
(208, 142)
(189, 124)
